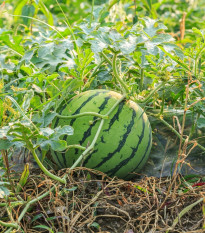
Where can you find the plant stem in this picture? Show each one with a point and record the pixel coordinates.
(62, 180)
(194, 125)
(90, 148)
(21, 111)
(6, 163)
(106, 58)
(82, 114)
(92, 76)
(12, 204)
(141, 79)
(151, 93)
(33, 201)
(93, 113)
(115, 71)
(76, 147)
(28, 17)
(162, 106)
(182, 130)
(16, 225)
(8, 224)
(111, 4)
(93, 3)
(115, 105)
(183, 212)
(174, 131)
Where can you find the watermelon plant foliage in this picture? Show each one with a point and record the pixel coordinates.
(51, 52)
(45, 68)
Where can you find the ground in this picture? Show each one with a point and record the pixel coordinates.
(93, 202)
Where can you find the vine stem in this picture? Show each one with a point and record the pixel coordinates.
(115, 105)
(76, 147)
(83, 114)
(106, 58)
(33, 201)
(8, 224)
(16, 225)
(61, 180)
(106, 116)
(111, 4)
(91, 78)
(180, 152)
(141, 79)
(21, 111)
(151, 93)
(28, 17)
(13, 204)
(115, 71)
(90, 148)
(174, 131)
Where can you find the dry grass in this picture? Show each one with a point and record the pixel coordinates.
(93, 202)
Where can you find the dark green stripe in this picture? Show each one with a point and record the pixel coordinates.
(102, 140)
(147, 148)
(57, 156)
(61, 110)
(114, 170)
(82, 105)
(76, 112)
(89, 156)
(121, 143)
(115, 117)
(89, 130)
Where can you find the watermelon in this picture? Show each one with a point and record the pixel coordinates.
(124, 142)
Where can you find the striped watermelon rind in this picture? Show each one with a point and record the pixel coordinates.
(125, 140)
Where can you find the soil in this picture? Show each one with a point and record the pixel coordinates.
(93, 202)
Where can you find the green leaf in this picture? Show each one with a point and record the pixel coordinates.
(46, 131)
(201, 123)
(98, 10)
(103, 76)
(4, 192)
(18, 9)
(46, 12)
(1, 111)
(5, 144)
(52, 76)
(14, 46)
(44, 227)
(97, 46)
(9, 66)
(4, 183)
(65, 130)
(27, 10)
(174, 58)
(48, 118)
(151, 27)
(3, 131)
(95, 224)
(65, 190)
(45, 50)
(2, 172)
(59, 145)
(37, 217)
(115, 36)
(27, 99)
(24, 178)
(199, 32)
(28, 56)
(72, 189)
(129, 45)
